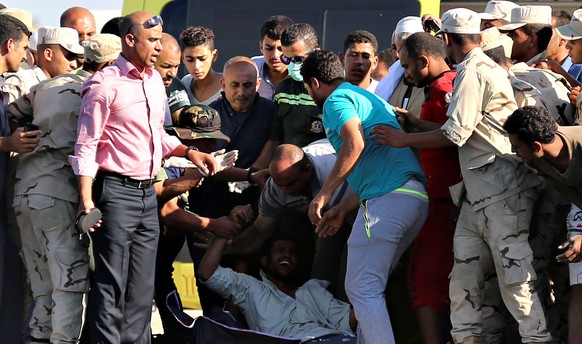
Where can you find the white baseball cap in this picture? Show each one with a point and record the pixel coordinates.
(523, 15)
(64, 36)
(573, 30)
(461, 20)
(410, 24)
(498, 10)
(33, 41)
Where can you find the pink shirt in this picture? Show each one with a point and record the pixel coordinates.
(120, 126)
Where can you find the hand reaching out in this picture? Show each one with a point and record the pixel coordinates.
(388, 136)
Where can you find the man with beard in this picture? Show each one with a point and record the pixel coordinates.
(395, 88)
(167, 65)
(359, 59)
(246, 118)
(296, 175)
(277, 305)
(423, 59)
(497, 196)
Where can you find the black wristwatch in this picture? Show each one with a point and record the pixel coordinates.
(188, 151)
(250, 171)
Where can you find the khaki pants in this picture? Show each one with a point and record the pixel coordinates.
(495, 237)
(57, 263)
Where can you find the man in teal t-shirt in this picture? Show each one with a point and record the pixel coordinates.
(389, 183)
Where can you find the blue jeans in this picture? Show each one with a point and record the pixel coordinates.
(384, 228)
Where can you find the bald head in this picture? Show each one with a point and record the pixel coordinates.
(141, 35)
(240, 82)
(168, 61)
(170, 43)
(240, 62)
(80, 19)
(288, 154)
(290, 169)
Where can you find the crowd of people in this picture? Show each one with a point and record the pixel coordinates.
(301, 180)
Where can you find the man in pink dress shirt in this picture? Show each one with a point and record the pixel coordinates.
(119, 150)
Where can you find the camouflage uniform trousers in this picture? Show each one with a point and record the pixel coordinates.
(57, 263)
(547, 232)
(495, 238)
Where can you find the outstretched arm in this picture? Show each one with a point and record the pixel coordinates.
(177, 218)
(174, 187)
(251, 239)
(388, 136)
(211, 259)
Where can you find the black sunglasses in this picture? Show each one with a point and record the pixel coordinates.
(69, 56)
(295, 59)
(152, 22)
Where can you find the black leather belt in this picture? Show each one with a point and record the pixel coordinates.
(126, 181)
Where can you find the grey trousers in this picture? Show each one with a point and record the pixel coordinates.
(124, 248)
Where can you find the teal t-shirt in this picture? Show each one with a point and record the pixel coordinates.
(381, 169)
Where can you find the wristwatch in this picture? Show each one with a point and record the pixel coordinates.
(188, 151)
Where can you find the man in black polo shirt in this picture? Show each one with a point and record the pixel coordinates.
(247, 119)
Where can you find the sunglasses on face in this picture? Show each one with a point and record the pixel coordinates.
(295, 59)
(69, 55)
(148, 24)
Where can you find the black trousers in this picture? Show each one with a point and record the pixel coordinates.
(124, 248)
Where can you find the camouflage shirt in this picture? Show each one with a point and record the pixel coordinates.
(481, 101)
(17, 84)
(54, 106)
(543, 88)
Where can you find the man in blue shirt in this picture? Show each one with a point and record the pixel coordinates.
(389, 183)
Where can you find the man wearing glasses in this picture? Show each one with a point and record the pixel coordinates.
(120, 145)
(298, 119)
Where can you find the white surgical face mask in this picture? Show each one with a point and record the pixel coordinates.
(294, 70)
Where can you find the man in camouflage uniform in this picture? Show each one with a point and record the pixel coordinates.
(531, 30)
(64, 52)
(531, 86)
(546, 90)
(493, 226)
(46, 199)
